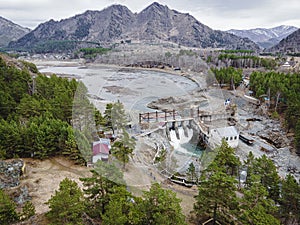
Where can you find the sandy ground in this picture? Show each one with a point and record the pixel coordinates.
(43, 177)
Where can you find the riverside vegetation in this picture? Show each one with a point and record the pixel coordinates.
(282, 90)
(36, 122)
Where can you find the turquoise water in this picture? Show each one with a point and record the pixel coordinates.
(193, 149)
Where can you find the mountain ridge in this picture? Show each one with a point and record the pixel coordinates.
(10, 31)
(265, 37)
(154, 23)
(290, 44)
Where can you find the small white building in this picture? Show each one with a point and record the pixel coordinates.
(286, 65)
(230, 134)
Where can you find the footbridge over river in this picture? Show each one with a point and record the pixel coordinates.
(192, 118)
(183, 115)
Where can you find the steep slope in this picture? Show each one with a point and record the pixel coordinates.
(97, 26)
(265, 38)
(10, 31)
(160, 22)
(117, 22)
(290, 44)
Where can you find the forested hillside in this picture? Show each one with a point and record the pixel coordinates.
(263, 198)
(280, 91)
(36, 112)
(283, 90)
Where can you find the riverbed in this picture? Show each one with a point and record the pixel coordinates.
(136, 88)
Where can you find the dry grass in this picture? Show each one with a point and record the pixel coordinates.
(43, 177)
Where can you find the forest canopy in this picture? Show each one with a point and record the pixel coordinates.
(36, 113)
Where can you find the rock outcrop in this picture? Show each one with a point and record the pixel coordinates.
(10, 31)
(10, 172)
(117, 23)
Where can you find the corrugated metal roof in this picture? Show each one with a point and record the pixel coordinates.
(100, 148)
(230, 131)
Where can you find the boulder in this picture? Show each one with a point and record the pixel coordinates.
(10, 172)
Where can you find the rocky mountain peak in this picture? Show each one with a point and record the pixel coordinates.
(114, 23)
(117, 8)
(155, 6)
(265, 37)
(290, 44)
(10, 31)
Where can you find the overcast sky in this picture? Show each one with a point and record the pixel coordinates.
(217, 14)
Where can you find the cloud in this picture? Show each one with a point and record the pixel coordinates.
(246, 14)
(32, 12)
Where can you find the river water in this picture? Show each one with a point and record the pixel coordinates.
(133, 87)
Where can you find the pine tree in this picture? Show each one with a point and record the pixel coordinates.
(266, 169)
(216, 197)
(255, 206)
(99, 119)
(118, 117)
(99, 187)
(66, 205)
(161, 207)
(191, 172)
(108, 116)
(115, 116)
(123, 208)
(290, 201)
(226, 159)
(123, 148)
(8, 212)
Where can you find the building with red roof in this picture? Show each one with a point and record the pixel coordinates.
(101, 150)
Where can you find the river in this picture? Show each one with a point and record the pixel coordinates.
(135, 88)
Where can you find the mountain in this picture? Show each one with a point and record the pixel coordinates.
(117, 22)
(264, 37)
(290, 44)
(10, 31)
(158, 22)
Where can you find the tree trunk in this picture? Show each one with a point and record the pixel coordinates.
(215, 214)
(277, 100)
